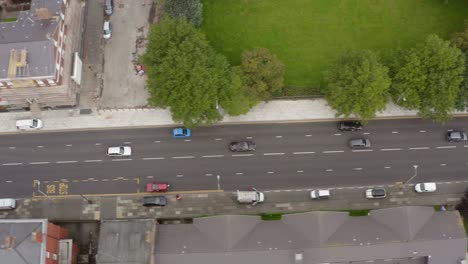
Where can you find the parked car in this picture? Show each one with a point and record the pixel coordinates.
(425, 187)
(375, 193)
(107, 33)
(242, 146)
(119, 151)
(29, 124)
(157, 187)
(350, 126)
(456, 136)
(181, 132)
(108, 7)
(154, 201)
(319, 194)
(359, 143)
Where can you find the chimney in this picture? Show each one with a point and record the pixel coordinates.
(43, 13)
(9, 242)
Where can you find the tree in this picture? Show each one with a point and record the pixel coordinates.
(460, 39)
(262, 74)
(234, 98)
(462, 99)
(428, 78)
(357, 84)
(191, 10)
(184, 72)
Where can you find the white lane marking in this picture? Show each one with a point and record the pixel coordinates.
(419, 148)
(208, 174)
(390, 149)
(273, 154)
(279, 136)
(184, 157)
(39, 162)
(67, 161)
(362, 150)
(329, 169)
(187, 140)
(308, 135)
(422, 131)
(241, 155)
(121, 159)
(248, 137)
(98, 144)
(128, 142)
(333, 151)
(443, 164)
(338, 134)
(218, 139)
(154, 158)
(303, 152)
(69, 145)
(8, 181)
(150, 177)
(366, 133)
(387, 167)
(179, 175)
(12, 147)
(466, 146)
(239, 173)
(40, 146)
(449, 130)
(357, 168)
(213, 156)
(92, 160)
(394, 132)
(300, 171)
(270, 172)
(12, 164)
(156, 141)
(446, 147)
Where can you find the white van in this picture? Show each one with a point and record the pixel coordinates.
(29, 124)
(252, 197)
(7, 204)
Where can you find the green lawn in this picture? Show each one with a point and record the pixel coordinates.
(309, 34)
(12, 19)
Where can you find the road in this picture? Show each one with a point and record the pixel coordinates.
(288, 156)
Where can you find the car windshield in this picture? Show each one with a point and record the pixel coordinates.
(456, 135)
(378, 192)
(121, 150)
(35, 122)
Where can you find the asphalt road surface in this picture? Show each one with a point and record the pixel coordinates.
(288, 156)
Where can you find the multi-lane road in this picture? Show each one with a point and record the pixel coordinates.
(293, 155)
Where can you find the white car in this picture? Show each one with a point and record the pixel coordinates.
(119, 151)
(107, 33)
(319, 194)
(29, 124)
(425, 187)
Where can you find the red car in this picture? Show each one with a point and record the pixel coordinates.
(157, 187)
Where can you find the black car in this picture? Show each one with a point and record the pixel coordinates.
(154, 201)
(456, 136)
(242, 146)
(350, 126)
(376, 193)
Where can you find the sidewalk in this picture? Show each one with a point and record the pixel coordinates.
(273, 111)
(215, 203)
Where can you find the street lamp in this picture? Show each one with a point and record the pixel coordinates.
(87, 200)
(219, 186)
(415, 173)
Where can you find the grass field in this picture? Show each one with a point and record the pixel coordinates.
(309, 34)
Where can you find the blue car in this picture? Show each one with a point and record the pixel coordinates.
(181, 132)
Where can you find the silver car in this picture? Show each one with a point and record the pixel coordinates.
(359, 143)
(119, 151)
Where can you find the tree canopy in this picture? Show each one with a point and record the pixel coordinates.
(357, 84)
(460, 39)
(428, 78)
(185, 73)
(192, 10)
(462, 99)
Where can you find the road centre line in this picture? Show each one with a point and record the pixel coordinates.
(333, 151)
(419, 148)
(121, 159)
(12, 164)
(303, 152)
(39, 162)
(67, 161)
(273, 154)
(184, 157)
(242, 155)
(92, 160)
(154, 158)
(390, 149)
(213, 156)
(446, 147)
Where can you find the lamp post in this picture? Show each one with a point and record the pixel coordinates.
(415, 173)
(219, 186)
(87, 200)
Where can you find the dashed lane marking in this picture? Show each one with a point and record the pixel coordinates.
(187, 140)
(308, 135)
(420, 148)
(357, 168)
(366, 133)
(333, 151)
(209, 174)
(39, 162)
(248, 137)
(213, 156)
(242, 155)
(12, 164)
(279, 137)
(40, 146)
(329, 170)
(184, 157)
(156, 141)
(387, 167)
(273, 154)
(338, 134)
(300, 171)
(394, 132)
(179, 175)
(239, 173)
(270, 172)
(362, 150)
(394, 149)
(92, 160)
(98, 144)
(150, 177)
(69, 145)
(443, 164)
(154, 158)
(12, 147)
(67, 161)
(446, 147)
(8, 181)
(218, 139)
(303, 152)
(128, 142)
(422, 131)
(122, 159)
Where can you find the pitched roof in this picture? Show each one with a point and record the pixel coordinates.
(404, 235)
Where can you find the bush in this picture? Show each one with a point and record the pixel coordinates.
(192, 10)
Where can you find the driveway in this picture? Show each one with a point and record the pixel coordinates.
(122, 87)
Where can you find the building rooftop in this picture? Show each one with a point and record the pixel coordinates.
(405, 235)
